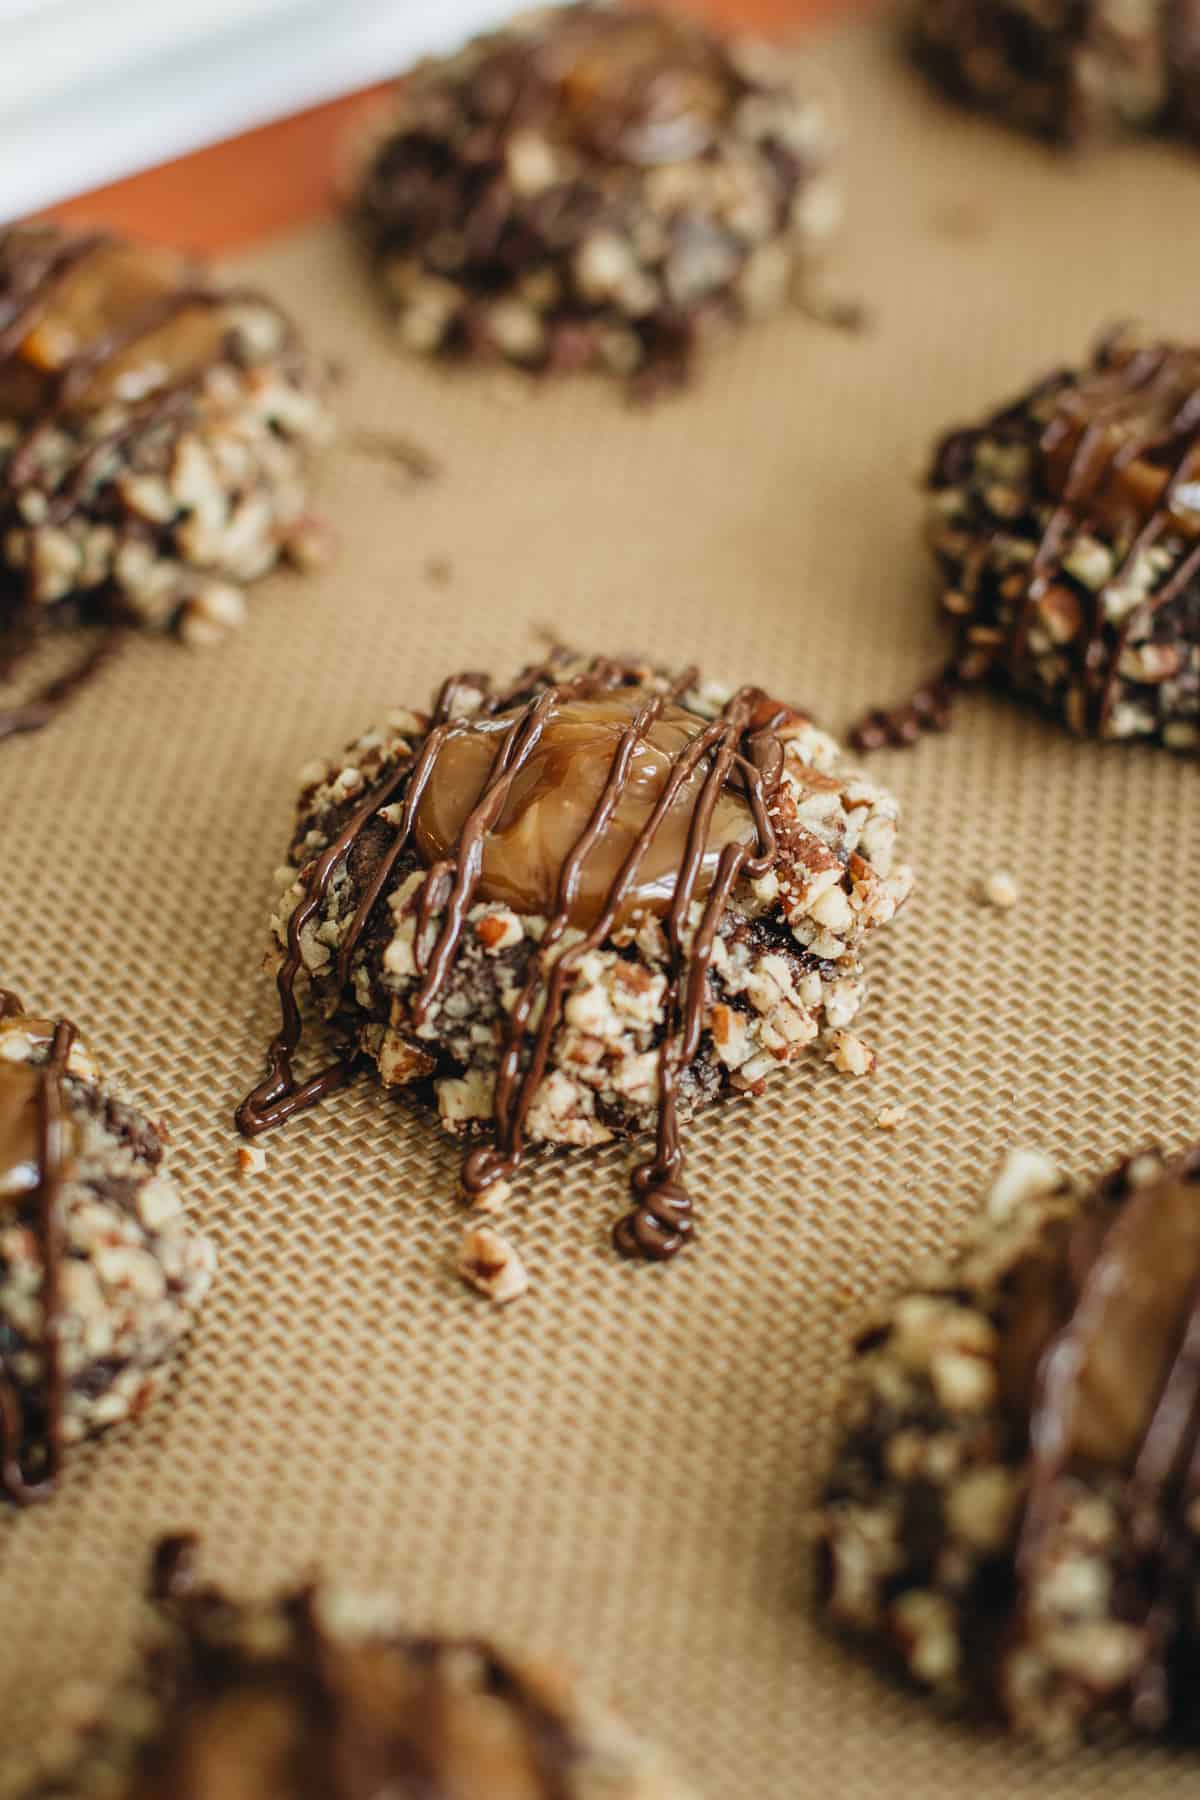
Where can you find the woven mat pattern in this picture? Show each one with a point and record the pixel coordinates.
(618, 1465)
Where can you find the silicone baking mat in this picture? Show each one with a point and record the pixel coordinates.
(619, 1464)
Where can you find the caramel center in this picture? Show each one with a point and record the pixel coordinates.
(645, 85)
(1150, 1289)
(552, 800)
(100, 299)
(1113, 476)
(21, 1170)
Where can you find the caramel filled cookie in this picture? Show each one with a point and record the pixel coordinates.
(579, 908)
(322, 1693)
(595, 186)
(1013, 1514)
(155, 431)
(1068, 73)
(1066, 530)
(100, 1274)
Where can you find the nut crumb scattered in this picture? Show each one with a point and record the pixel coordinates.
(251, 1159)
(849, 1054)
(890, 1118)
(489, 1263)
(999, 889)
(493, 1199)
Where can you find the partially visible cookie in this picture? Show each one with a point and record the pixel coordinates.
(596, 186)
(100, 1273)
(324, 1693)
(1013, 1515)
(580, 907)
(155, 435)
(1069, 73)
(1066, 529)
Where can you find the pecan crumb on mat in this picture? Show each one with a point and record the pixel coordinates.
(596, 186)
(489, 1263)
(580, 907)
(999, 889)
(324, 1692)
(849, 1054)
(1013, 1511)
(100, 1273)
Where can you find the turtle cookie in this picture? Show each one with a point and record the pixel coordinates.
(1013, 1516)
(596, 186)
(1066, 530)
(1070, 74)
(321, 1692)
(579, 908)
(100, 1274)
(155, 432)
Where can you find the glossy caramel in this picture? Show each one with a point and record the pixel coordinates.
(1118, 477)
(1150, 1288)
(104, 294)
(643, 85)
(552, 800)
(20, 1128)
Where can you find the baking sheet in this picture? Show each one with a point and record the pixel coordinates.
(619, 1464)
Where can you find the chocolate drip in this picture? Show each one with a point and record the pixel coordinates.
(1119, 446)
(37, 712)
(930, 708)
(316, 1676)
(1160, 1448)
(1143, 405)
(50, 1160)
(739, 751)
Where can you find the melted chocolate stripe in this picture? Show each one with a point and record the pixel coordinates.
(743, 751)
(1165, 1478)
(510, 1103)
(1146, 374)
(483, 1167)
(279, 1096)
(328, 1763)
(1136, 381)
(45, 1198)
(37, 712)
(34, 283)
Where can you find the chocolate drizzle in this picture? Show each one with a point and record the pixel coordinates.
(348, 1743)
(46, 1170)
(36, 712)
(1140, 1415)
(737, 752)
(1121, 445)
(930, 708)
(1139, 415)
(35, 266)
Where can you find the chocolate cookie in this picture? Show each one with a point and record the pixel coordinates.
(1067, 535)
(322, 1693)
(100, 1273)
(1067, 72)
(579, 908)
(155, 430)
(594, 187)
(1014, 1513)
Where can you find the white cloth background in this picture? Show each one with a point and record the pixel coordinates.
(91, 90)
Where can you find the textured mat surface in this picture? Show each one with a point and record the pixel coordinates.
(618, 1465)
